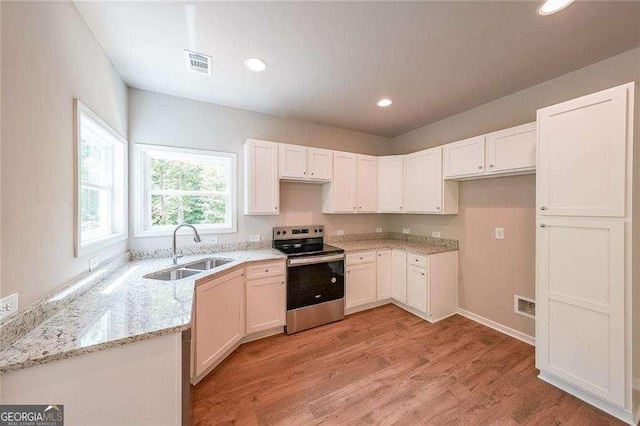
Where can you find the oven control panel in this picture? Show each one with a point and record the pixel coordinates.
(292, 232)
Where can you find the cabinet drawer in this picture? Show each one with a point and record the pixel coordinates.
(416, 259)
(358, 258)
(265, 270)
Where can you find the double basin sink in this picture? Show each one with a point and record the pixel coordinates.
(189, 269)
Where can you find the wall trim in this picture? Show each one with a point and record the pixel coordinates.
(498, 327)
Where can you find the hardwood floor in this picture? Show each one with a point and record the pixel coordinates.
(386, 366)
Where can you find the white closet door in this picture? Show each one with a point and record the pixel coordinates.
(581, 164)
(580, 293)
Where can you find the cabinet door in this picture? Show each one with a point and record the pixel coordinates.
(383, 269)
(344, 182)
(423, 181)
(417, 290)
(580, 295)
(390, 184)
(266, 303)
(219, 318)
(262, 186)
(367, 184)
(512, 150)
(464, 158)
(399, 276)
(320, 164)
(582, 163)
(360, 285)
(293, 161)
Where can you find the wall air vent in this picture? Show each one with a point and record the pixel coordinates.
(524, 306)
(198, 62)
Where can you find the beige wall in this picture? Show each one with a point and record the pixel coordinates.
(167, 120)
(491, 271)
(49, 56)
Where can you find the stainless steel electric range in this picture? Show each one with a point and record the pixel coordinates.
(315, 277)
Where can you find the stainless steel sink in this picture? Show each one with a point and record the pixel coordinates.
(206, 264)
(189, 269)
(175, 274)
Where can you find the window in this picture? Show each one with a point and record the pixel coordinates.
(101, 160)
(178, 185)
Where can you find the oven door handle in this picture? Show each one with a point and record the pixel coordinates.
(314, 259)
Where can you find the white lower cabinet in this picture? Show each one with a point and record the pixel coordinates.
(266, 303)
(219, 319)
(360, 287)
(417, 291)
(383, 267)
(399, 275)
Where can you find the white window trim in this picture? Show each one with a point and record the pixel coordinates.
(108, 240)
(139, 210)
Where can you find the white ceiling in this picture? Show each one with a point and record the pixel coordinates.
(329, 62)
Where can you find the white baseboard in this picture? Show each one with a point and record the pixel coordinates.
(498, 327)
(615, 411)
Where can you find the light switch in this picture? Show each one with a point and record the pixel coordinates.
(405, 230)
(254, 238)
(499, 233)
(435, 234)
(93, 263)
(340, 232)
(379, 229)
(211, 240)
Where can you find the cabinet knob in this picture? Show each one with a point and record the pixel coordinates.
(422, 274)
(304, 173)
(282, 282)
(348, 272)
(542, 225)
(360, 258)
(360, 207)
(437, 208)
(276, 207)
(479, 167)
(311, 173)
(543, 208)
(266, 270)
(491, 166)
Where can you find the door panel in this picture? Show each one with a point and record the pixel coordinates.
(399, 276)
(580, 291)
(361, 285)
(262, 193)
(293, 161)
(390, 184)
(417, 288)
(582, 145)
(266, 303)
(512, 149)
(320, 164)
(367, 184)
(383, 268)
(344, 182)
(464, 158)
(423, 181)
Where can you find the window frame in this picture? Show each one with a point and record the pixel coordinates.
(118, 219)
(142, 204)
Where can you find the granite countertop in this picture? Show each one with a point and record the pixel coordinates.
(423, 248)
(120, 308)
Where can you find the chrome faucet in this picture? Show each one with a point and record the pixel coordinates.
(196, 238)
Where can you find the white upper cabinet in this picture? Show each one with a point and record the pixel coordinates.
(582, 145)
(390, 184)
(293, 161)
(423, 181)
(320, 164)
(464, 158)
(512, 150)
(261, 183)
(341, 196)
(367, 184)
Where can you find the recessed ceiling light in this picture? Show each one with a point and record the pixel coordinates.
(549, 7)
(255, 64)
(383, 103)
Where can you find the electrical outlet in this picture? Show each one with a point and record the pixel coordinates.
(379, 229)
(435, 234)
(405, 230)
(340, 232)
(211, 240)
(499, 233)
(8, 306)
(93, 263)
(254, 238)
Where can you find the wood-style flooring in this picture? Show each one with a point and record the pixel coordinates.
(386, 366)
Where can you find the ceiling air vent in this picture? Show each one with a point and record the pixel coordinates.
(524, 306)
(198, 62)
